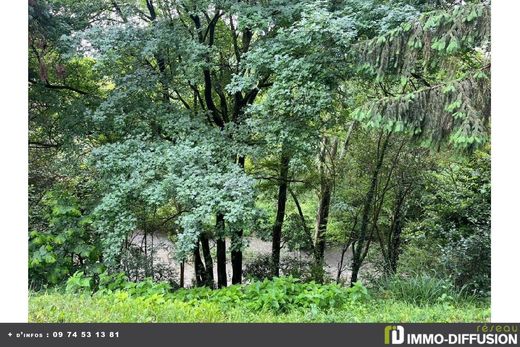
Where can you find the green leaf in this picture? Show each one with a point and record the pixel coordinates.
(453, 46)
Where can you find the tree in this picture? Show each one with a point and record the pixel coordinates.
(181, 116)
(61, 88)
(446, 53)
(449, 49)
(456, 211)
(182, 78)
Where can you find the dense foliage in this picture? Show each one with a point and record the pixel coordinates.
(456, 207)
(66, 245)
(351, 135)
(284, 300)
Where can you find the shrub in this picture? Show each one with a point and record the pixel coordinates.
(108, 283)
(139, 263)
(468, 261)
(358, 293)
(305, 270)
(419, 289)
(286, 293)
(79, 282)
(260, 268)
(418, 258)
(67, 245)
(456, 217)
(281, 294)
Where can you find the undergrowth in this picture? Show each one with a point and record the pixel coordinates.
(112, 298)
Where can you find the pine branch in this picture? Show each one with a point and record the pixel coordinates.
(434, 35)
(458, 110)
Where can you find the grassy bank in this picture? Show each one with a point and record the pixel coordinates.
(262, 302)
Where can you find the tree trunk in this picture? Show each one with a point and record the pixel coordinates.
(181, 275)
(200, 271)
(208, 261)
(326, 189)
(322, 215)
(390, 242)
(360, 248)
(146, 267)
(396, 247)
(307, 232)
(280, 213)
(344, 250)
(221, 252)
(321, 223)
(356, 264)
(236, 257)
(394, 242)
(236, 246)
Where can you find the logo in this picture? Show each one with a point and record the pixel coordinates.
(394, 334)
(485, 335)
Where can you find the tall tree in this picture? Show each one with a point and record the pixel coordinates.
(170, 109)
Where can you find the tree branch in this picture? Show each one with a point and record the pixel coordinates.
(56, 86)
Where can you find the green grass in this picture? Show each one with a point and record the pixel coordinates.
(421, 289)
(119, 306)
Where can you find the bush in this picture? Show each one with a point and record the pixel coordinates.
(79, 283)
(456, 217)
(418, 258)
(419, 289)
(109, 283)
(281, 294)
(67, 245)
(468, 261)
(284, 294)
(284, 299)
(260, 268)
(358, 293)
(139, 264)
(278, 295)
